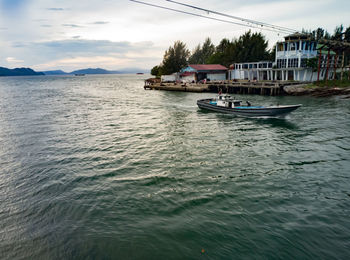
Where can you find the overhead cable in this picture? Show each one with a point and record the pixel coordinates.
(210, 18)
(275, 27)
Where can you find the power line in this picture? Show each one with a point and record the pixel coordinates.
(275, 27)
(211, 18)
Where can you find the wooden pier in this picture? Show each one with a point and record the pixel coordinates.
(267, 88)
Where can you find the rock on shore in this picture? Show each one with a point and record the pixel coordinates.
(304, 89)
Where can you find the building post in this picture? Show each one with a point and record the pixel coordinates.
(300, 53)
(319, 65)
(327, 69)
(342, 66)
(335, 66)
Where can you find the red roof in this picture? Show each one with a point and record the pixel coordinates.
(187, 73)
(207, 67)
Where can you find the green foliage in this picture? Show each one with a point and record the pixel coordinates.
(156, 71)
(200, 55)
(338, 33)
(312, 63)
(347, 34)
(272, 54)
(249, 47)
(175, 58)
(345, 83)
(223, 53)
(208, 49)
(196, 56)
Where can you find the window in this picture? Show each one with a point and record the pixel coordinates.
(292, 46)
(280, 47)
(303, 63)
(292, 63)
(307, 46)
(281, 63)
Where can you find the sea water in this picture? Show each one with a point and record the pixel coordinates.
(96, 167)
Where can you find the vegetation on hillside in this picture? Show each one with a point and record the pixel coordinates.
(18, 72)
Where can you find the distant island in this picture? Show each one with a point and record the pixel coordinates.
(95, 71)
(19, 72)
(31, 72)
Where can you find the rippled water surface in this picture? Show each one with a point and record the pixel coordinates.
(96, 167)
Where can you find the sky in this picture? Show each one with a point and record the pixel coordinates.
(118, 34)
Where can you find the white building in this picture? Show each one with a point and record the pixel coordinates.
(208, 72)
(291, 62)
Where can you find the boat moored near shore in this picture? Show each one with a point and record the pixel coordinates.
(227, 104)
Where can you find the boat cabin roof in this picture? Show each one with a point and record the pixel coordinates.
(228, 98)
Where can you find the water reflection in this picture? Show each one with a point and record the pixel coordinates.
(276, 122)
(271, 121)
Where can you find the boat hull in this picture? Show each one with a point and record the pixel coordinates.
(247, 111)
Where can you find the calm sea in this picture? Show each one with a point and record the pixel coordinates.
(96, 167)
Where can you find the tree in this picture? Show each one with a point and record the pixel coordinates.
(224, 45)
(196, 56)
(156, 71)
(272, 55)
(347, 34)
(175, 58)
(223, 53)
(200, 55)
(338, 33)
(250, 47)
(312, 63)
(208, 49)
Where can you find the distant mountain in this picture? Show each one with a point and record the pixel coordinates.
(55, 72)
(103, 71)
(94, 71)
(18, 72)
(28, 71)
(133, 71)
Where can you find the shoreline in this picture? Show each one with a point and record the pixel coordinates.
(258, 88)
(307, 90)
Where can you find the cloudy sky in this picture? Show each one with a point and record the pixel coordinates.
(117, 34)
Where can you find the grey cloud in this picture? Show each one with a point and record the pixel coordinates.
(90, 47)
(100, 22)
(71, 25)
(40, 20)
(55, 9)
(19, 44)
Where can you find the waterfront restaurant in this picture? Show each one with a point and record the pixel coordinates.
(291, 62)
(198, 72)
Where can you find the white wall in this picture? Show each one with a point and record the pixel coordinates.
(188, 78)
(214, 77)
(169, 78)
